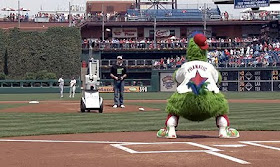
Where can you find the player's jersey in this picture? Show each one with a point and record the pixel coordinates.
(197, 73)
(73, 83)
(61, 81)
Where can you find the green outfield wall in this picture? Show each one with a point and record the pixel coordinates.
(35, 86)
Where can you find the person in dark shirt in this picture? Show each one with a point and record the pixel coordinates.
(118, 73)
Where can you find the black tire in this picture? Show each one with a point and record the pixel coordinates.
(83, 107)
(101, 108)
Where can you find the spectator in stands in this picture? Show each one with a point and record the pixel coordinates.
(226, 16)
(118, 73)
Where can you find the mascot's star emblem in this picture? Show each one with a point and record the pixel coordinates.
(198, 80)
(196, 83)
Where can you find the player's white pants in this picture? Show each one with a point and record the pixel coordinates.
(61, 90)
(72, 91)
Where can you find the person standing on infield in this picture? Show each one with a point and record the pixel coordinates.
(73, 83)
(61, 85)
(118, 73)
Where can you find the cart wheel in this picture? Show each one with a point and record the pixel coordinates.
(83, 107)
(101, 108)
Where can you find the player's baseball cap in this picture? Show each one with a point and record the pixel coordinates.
(200, 40)
(119, 57)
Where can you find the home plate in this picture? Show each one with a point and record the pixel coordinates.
(231, 145)
(33, 102)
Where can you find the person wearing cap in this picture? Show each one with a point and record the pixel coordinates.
(198, 97)
(118, 73)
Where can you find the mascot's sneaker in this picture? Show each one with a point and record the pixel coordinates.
(162, 132)
(168, 132)
(228, 133)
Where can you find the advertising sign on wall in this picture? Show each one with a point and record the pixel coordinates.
(127, 89)
(163, 33)
(238, 4)
(124, 32)
(167, 84)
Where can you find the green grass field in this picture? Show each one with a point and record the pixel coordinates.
(242, 116)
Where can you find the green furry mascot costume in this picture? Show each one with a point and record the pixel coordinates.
(197, 97)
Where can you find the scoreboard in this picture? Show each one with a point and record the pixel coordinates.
(250, 80)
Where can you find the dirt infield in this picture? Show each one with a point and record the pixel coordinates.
(191, 148)
(138, 149)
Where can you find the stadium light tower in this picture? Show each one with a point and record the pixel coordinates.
(70, 15)
(204, 10)
(103, 27)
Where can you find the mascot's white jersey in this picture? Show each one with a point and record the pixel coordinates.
(197, 72)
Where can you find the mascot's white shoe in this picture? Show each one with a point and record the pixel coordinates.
(168, 132)
(171, 133)
(228, 133)
(224, 130)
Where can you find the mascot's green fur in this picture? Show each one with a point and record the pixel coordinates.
(197, 107)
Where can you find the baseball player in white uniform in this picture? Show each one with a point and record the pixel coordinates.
(61, 85)
(73, 83)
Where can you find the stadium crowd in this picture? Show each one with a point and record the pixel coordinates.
(48, 17)
(253, 55)
(237, 52)
(164, 43)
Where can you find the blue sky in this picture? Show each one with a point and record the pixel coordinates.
(37, 5)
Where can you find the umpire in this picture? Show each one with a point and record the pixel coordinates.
(118, 73)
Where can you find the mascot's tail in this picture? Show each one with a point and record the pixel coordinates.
(198, 89)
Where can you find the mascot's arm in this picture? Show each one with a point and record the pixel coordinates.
(174, 76)
(216, 75)
(179, 75)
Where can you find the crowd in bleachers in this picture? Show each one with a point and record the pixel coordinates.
(163, 43)
(14, 17)
(55, 17)
(169, 63)
(253, 55)
(262, 15)
(236, 52)
(194, 14)
(256, 54)
(61, 17)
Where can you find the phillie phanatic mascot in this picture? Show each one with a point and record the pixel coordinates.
(197, 97)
